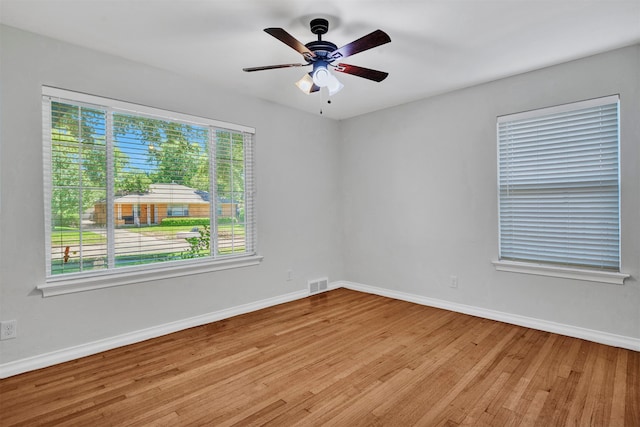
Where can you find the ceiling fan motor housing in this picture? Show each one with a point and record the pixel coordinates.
(319, 26)
(321, 48)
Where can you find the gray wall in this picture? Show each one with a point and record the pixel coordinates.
(298, 180)
(419, 191)
(400, 199)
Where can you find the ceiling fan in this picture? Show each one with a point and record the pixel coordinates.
(321, 54)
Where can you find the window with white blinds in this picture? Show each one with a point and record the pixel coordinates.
(559, 185)
(127, 186)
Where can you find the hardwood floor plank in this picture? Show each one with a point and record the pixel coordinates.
(632, 400)
(338, 358)
(489, 392)
(472, 373)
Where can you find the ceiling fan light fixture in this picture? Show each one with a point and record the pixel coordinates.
(321, 76)
(334, 85)
(305, 84)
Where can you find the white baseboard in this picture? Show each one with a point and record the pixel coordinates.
(76, 352)
(514, 319)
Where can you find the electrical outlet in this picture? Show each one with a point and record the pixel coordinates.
(289, 275)
(454, 282)
(8, 329)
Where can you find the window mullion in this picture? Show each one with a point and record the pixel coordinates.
(232, 189)
(111, 231)
(213, 188)
(80, 187)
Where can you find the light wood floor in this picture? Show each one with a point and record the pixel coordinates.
(341, 358)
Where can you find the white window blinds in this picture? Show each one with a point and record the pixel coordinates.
(128, 185)
(558, 173)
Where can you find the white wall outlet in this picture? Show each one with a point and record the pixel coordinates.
(8, 329)
(289, 275)
(454, 282)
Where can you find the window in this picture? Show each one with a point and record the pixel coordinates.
(559, 189)
(178, 210)
(127, 185)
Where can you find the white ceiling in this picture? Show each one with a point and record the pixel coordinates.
(437, 45)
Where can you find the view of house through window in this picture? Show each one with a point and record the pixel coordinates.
(131, 189)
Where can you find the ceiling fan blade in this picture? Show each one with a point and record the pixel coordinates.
(290, 41)
(371, 40)
(272, 67)
(367, 73)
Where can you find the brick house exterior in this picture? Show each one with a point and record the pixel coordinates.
(161, 201)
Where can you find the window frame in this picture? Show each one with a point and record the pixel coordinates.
(538, 267)
(97, 279)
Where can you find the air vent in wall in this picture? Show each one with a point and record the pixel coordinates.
(318, 285)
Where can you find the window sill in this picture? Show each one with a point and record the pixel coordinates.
(80, 283)
(561, 272)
